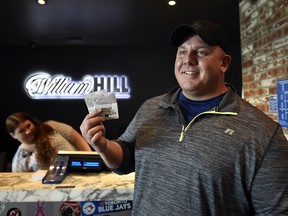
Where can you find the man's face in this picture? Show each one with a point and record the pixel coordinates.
(200, 68)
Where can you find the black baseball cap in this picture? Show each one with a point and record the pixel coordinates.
(209, 31)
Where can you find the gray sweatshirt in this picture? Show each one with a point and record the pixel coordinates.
(232, 160)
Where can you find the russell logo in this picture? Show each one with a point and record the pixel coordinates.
(229, 131)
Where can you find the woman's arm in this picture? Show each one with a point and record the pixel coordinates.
(70, 134)
(78, 141)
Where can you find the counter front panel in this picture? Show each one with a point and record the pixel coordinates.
(103, 193)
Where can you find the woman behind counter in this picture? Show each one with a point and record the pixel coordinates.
(40, 141)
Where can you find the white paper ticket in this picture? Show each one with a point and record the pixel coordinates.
(101, 99)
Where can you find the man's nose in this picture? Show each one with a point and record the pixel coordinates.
(191, 59)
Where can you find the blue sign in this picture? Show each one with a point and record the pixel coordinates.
(282, 95)
(105, 207)
(273, 103)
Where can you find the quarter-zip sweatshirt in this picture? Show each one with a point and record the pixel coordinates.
(232, 160)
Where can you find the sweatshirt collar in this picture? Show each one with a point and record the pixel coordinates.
(228, 103)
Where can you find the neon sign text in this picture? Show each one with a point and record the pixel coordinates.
(44, 86)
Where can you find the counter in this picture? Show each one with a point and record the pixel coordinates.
(87, 193)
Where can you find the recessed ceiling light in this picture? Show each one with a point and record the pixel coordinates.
(41, 2)
(171, 2)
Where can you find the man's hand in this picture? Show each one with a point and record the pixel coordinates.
(93, 130)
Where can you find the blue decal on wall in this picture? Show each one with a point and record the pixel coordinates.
(282, 86)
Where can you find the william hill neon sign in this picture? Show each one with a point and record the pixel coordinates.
(42, 85)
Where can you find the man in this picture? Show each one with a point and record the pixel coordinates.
(200, 149)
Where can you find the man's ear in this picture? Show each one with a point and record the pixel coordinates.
(226, 60)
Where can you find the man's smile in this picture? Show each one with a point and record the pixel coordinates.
(190, 72)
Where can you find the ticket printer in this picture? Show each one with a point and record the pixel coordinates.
(73, 162)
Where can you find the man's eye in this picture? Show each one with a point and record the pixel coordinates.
(202, 52)
(182, 52)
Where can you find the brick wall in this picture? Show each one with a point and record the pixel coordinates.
(264, 43)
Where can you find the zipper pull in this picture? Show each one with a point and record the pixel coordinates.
(182, 134)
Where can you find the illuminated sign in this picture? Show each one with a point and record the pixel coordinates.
(42, 85)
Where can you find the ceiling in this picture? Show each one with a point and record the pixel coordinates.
(107, 22)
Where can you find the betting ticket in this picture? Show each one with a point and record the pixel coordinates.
(106, 101)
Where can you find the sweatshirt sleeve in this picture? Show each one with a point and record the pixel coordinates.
(127, 143)
(270, 186)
